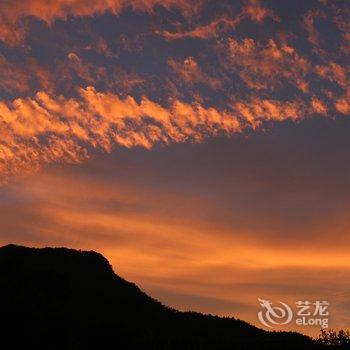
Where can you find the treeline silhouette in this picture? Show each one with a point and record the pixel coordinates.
(58, 298)
(334, 340)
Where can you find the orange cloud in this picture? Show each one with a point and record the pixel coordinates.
(257, 12)
(257, 110)
(340, 19)
(264, 66)
(190, 72)
(252, 9)
(333, 72)
(11, 31)
(343, 105)
(45, 130)
(337, 74)
(208, 31)
(309, 23)
(318, 106)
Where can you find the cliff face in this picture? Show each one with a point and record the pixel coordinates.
(58, 298)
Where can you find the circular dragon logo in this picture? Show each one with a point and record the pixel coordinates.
(274, 315)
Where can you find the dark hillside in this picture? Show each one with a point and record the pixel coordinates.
(58, 298)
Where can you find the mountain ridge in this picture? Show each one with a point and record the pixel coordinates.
(72, 299)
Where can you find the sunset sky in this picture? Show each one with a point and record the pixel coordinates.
(202, 146)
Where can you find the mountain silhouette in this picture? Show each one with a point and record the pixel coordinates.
(59, 298)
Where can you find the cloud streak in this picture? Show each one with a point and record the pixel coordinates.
(195, 245)
(251, 99)
(12, 29)
(91, 92)
(47, 129)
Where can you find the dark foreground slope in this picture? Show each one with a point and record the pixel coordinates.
(57, 298)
